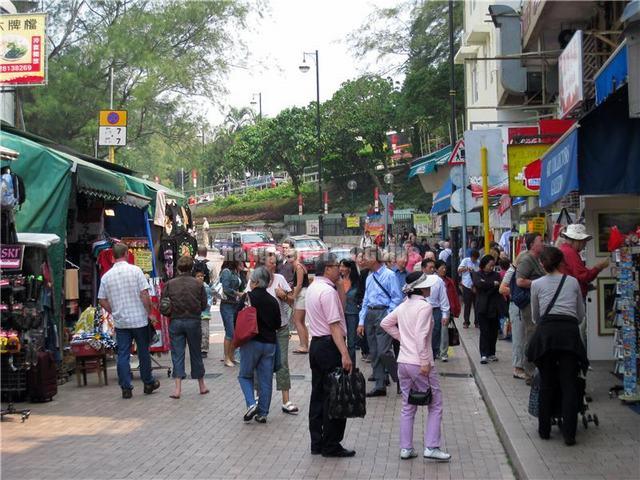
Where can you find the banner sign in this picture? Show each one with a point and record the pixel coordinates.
(571, 91)
(374, 225)
(353, 221)
(23, 53)
(11, 257)
(536, 225)
(559, 173)
(524, 169)
(423, 223)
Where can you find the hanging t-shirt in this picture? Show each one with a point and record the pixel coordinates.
(186, 245)
(105, 260)
(168, 257)
(161, 205)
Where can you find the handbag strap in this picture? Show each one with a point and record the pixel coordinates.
(380, 285)
(555, 296)
(564, 212)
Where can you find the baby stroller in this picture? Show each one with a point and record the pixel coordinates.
(556, 419)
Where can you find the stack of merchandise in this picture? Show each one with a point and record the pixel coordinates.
(93, 332)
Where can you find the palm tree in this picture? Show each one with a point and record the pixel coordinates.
(237, 118)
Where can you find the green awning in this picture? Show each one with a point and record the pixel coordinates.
(167, 191)
(428, 163)
(96, 181)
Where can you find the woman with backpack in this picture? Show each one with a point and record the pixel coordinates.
(232, 287)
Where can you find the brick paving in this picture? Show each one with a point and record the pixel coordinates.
(91, 433)
(608, 451)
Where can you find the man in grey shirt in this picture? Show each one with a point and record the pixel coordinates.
(528, 270)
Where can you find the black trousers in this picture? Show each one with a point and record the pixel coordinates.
(559, 376)
(469, 299)
(489, 327)
(326, 434)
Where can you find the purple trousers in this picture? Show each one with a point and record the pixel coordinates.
(410, 377)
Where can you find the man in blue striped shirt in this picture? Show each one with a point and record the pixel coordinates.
(381, 297)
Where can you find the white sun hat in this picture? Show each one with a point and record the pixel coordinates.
(425, 281)
(576, 231)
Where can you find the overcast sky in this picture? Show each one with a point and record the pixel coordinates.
(276, 43)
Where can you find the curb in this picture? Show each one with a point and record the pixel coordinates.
(523, 454)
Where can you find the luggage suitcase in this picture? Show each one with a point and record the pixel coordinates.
(42, 378)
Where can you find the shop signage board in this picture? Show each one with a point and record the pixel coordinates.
(11, 257)
(353, 221)
(536, 225)
(423, 223)
(559, 172)
(454, 220)
(524, 169)
(23, 52)
(112, 129)
(313, 227)
(571, 91)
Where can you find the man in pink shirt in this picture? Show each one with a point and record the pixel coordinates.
(327, 351)
(413, 256)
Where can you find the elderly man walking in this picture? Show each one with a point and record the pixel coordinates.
(381, 297)
(124, 292)
(327, 351)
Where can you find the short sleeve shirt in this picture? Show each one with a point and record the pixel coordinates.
(121, 286)
(324, 307)
(466, 276)
(529, 268)
(280, 282)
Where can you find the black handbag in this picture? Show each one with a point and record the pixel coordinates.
(165, 306)
(417, 397)
(454, 335)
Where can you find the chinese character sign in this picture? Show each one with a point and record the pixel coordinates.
(23, 53)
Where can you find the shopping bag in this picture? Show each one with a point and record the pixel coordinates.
(347, 397)
(246, 325)
(558, 227)
(534, 395)
(454, 335)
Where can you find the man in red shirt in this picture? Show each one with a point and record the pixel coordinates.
(576, 238)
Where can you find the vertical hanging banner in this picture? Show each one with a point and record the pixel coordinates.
(23, 53)
(376, 200)
(570, 66)
(299, 204)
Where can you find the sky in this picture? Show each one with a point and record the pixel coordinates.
(276, 44)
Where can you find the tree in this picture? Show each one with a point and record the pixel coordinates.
(163, 55)
(357, 119)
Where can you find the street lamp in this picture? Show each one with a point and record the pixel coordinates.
(259, 102)
(352, 185)
(388, 179)
(304, 68)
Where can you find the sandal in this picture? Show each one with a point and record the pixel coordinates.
(520, 375)
(175, 397)
(290, 408)
(300, 352)
(204, 392)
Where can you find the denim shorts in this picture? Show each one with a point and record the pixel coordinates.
(228, 313)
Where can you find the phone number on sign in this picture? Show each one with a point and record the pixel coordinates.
(16, 68)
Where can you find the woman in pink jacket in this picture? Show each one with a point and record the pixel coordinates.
(412, 324)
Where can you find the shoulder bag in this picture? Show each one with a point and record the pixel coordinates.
(417, 397)
(246, 324)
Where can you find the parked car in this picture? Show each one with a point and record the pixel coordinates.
(309, 249)
(248, 241)
(342, 253)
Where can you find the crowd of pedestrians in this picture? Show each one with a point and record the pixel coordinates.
(394, 307)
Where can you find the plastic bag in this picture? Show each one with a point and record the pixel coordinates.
(347, 394)
(616, 239)
(86, 321)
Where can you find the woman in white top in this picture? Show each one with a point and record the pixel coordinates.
(412, 324)
(467, 266)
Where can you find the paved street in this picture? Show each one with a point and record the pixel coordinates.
(91, 432)
(608, 451)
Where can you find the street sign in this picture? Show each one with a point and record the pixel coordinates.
(457, 178)
(490, 138)
(456, 199)
(113, 118)
(313, 227)
(353, 221)
(112, 136)
(112, 129)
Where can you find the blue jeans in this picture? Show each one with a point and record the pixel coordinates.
(435, 335)
(228, 313)
(352, 326)
(184, 332)
(257, 356)
(124, 337)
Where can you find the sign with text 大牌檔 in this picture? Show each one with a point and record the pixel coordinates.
(23, 53)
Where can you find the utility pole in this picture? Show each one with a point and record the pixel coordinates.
(112, 149)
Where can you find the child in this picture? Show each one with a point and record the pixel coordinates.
(206, 316)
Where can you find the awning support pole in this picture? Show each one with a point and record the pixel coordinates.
(485, 198)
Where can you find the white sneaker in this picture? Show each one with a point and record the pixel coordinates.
(407, 453)
(445, 358)
(493, 358)
(436, 454)
(483, 360)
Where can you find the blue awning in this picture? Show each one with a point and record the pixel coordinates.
(442, 199)
(428, 163)
(559, 174)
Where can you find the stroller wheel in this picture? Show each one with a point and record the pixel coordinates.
(596, 420)
(585, 422)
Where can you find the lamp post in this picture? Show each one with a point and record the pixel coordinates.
(388, 179)
(253, 102)
(352, 185)
(304, 68)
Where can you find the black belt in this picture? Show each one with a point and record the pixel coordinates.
(323, 337)
(378, 307)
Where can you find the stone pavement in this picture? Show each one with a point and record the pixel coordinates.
(608, 451)
(91, 433)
